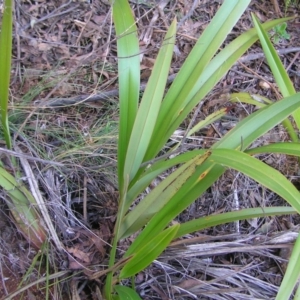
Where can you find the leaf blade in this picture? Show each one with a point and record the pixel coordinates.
(284, 83)
(176, 110)
(258, 123)
(284, 148)
(246, 132)
(150, 105)
(148, 253)
(243, 214)
(281, 77)
(260, 172)
(159, 196)
(129, 77)
(291, 275)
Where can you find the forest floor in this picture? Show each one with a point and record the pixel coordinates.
(64, 108)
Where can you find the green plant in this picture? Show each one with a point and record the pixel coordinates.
(280, 33)
(5, 63)
(20, 201)
(144, 130)
(286, 87)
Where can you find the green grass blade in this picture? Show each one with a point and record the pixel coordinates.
(284, 148)
(150, 105)
(243, 214)
(5, 65)
(260, 172)
(292, 274)
(129, 77)
(144, 256)
(282, 78)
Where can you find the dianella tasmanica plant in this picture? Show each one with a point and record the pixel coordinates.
(147, 125)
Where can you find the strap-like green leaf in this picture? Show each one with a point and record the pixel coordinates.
(158, 198)
(5, 65)
(208, 120)
(241, 136)
(259, 171)
(178, 104)
(258, 123)
(284, 148)
(129, 77)
(282, 78)
(144, 256)
(291, 276)
(150, 105)
(257, 100)
(243, 214)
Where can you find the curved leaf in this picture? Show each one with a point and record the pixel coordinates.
(241, 136)
(260, 172)
(281, 76)
(284, 148)
(258, 123)
(243, 214)
(256, 100)
(208, 120)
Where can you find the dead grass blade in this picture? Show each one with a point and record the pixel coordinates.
(39, 200)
